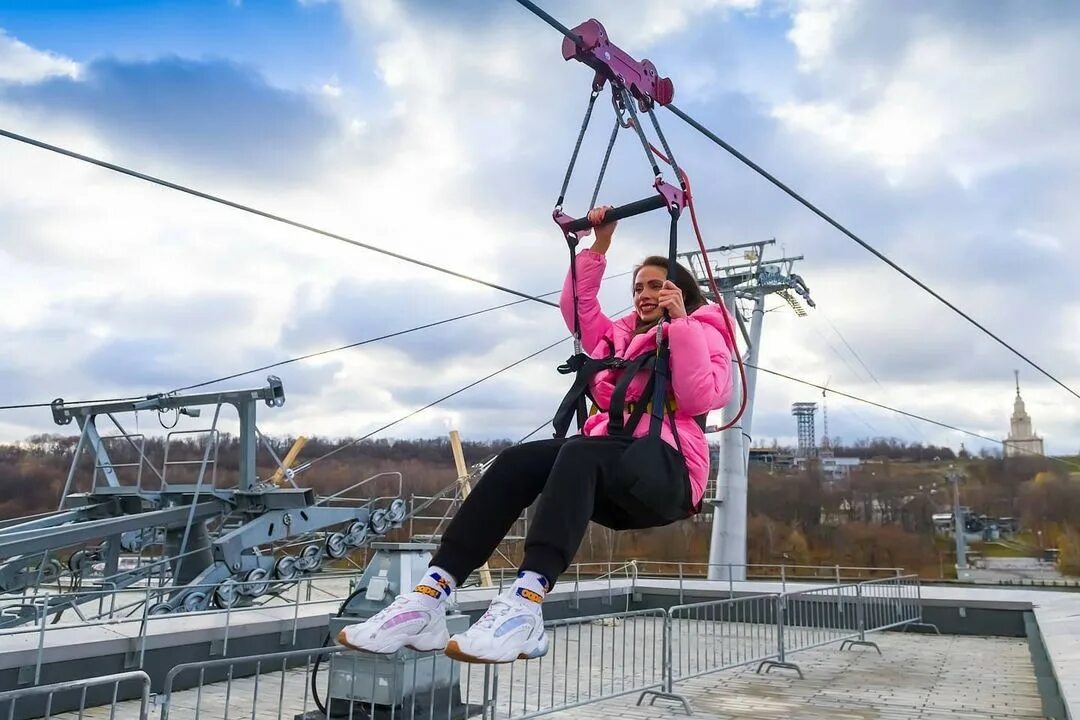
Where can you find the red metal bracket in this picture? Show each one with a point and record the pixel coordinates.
(614, 65)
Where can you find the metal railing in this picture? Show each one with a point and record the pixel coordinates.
(822, 616)
(891, 602)
(589, 660)
(707, 637)
(45, 700)
(784, 572)
(136, 611)
(407, 685)
(593, 658)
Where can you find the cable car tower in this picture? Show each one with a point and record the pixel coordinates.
(748, 282)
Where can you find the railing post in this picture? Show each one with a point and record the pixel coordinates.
(577, 586)
(296, 614)
(41, 639)
(781, 610)
(860, 612)
(837, 574)
(783, 578)
(228, 621)
(144, 628)
(669, 672)
(680, 584)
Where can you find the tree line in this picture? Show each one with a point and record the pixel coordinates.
(878, 515)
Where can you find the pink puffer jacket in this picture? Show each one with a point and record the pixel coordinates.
(701, 352)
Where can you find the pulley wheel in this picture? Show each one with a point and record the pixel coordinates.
(379, 522)
(357, 534)
(396, 513)
(77, 562)
(310, 558)
(253, 587)
(335, 545)
(194, 601)
(286, 568)
(226, 594)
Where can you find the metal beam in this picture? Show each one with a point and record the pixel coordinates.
(273, 395)
(32, 541)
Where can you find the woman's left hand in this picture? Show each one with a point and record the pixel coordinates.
(671, 299)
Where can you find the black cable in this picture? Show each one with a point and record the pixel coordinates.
(262, 213)
(546, 423)
(540, 13)
(25, 406)
(308, 356)
(432, 404)
(318, 658)
(377, 338)
(813, 208)
(901, 412)
(865, 245)
(366, 341)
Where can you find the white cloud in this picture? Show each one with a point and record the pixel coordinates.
(451, 152)
(20, 63)
(947, 98)
(813, 31)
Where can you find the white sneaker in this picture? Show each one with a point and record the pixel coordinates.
(511, 629)
(407, 622)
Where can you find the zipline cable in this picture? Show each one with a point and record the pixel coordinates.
(905, 413)
(377, 338)
(308, 356)
(430, 405)
(536, 10)
(433, 403)
(262, 213)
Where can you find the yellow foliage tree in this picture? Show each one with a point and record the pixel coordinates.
(1069, 552)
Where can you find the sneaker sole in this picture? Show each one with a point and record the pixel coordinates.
(390, 650)
(454, 652)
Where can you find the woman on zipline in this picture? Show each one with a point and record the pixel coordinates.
(581, 478)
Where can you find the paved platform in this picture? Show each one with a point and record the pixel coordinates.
(1057, 614)
(918, 677)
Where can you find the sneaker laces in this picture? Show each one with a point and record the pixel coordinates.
(498, 609)
(388, 610)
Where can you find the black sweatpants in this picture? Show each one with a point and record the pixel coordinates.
(573, 478)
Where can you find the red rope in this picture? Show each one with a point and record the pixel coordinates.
(712, 286)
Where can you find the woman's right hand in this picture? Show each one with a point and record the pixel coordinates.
(603, 230)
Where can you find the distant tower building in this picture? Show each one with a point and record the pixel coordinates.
(804, 415)
(1022, 440)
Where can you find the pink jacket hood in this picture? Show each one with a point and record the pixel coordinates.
(701, 373)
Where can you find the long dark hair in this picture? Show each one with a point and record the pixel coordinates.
(693, 298)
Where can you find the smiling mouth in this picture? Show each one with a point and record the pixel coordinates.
(647, 308)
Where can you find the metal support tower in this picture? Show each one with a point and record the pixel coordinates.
(750, 281)
(804, 413)
(214, 545)
(958, 524)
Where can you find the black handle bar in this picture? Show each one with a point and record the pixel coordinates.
(638, 207)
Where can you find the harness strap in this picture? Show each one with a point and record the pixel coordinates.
(617, 407)
(573, 403)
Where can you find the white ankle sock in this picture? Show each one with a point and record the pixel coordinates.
(435, 587)
(531, 586)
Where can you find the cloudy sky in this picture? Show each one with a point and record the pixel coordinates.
(947, 134)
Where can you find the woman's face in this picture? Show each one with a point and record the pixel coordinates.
(647, 284)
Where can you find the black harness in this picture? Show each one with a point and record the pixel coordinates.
(585, 368)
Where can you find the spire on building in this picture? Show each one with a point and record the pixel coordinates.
(1022, 440)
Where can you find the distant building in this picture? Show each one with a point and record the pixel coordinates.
(772, 458)
(839, 468)
(1022, 440)
(834, 468)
